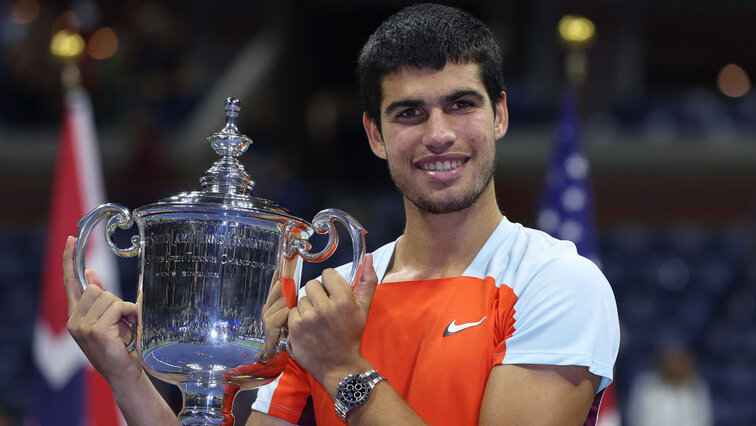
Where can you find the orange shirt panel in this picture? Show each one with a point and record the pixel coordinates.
(441, 377)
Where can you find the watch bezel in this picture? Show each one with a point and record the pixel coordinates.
(354, 390)
(344, 402)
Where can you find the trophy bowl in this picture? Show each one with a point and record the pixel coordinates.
(207, 262)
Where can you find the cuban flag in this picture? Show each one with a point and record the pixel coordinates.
(68, 390)
(567, 209)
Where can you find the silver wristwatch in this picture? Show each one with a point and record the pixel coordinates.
(354, 391)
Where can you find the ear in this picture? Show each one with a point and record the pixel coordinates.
(374, 136)
(501, 121)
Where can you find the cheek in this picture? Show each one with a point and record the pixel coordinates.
(479, 133)
(401, 142)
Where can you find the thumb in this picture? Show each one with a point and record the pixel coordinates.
(365, 286)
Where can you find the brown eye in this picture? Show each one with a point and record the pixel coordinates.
(409, 113)
(461, 105)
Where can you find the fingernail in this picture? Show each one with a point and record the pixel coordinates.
(69, 241)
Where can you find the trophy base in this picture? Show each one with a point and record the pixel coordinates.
(207, 403)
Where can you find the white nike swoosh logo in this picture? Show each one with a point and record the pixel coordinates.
(453, 327)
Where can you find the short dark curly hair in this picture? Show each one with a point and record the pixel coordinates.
(427, 36)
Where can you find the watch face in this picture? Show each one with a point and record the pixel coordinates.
(355, 391)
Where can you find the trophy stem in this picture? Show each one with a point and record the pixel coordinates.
(207, 403)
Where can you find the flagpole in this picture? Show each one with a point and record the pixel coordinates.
(576, 36)
(69, 391)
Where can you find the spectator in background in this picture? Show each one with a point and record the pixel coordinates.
(673, 394)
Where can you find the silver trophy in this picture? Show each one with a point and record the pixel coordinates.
(207, 261)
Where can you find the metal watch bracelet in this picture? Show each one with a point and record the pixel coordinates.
(354, 390)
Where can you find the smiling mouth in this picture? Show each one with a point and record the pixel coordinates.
(440, 166)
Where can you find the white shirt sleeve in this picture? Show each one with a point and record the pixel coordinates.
(566, 314)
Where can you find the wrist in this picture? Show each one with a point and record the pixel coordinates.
(141, 403)
(330, 379)
(131, 388)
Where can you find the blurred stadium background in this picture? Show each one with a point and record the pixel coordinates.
(668, 125)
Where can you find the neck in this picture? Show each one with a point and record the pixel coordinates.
(443, 245)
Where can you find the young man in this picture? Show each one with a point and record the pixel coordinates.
(470, 318)
(476, 319)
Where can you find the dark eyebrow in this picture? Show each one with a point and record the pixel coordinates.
(462, 93)
(417, 103)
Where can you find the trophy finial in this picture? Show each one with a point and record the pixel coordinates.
(232, 112)
(232, 108)
(227, 174)
(229, 141)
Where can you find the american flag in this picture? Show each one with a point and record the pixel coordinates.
(68, 390)
(567, 208)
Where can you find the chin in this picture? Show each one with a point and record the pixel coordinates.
(444, 206)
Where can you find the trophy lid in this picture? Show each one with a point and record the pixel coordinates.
(226, 184)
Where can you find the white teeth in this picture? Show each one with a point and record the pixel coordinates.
(441, 166)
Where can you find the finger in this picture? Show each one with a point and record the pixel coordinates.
(304, 306)
(316, 294)
(116, 310)
(100, 305)
(92, 278)
(364, 289)
(272, 315)
(89, 297)
(336, 285)
(275, 305)
(304, 303)
(71, 284)
(128, 310)
(275, 280)
(114, 313)
(274, 295)
(277, 319)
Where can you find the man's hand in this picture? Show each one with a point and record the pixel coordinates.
(326, 326)
(94, 322)
(325, 332)
(275, 314)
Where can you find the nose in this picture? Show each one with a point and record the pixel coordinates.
(439, 132)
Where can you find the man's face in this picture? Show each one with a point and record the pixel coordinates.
(438, 135)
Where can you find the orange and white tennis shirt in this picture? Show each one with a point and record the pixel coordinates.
(526, 298)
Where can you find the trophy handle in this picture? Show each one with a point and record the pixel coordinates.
(119, 217)
(324, 223)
